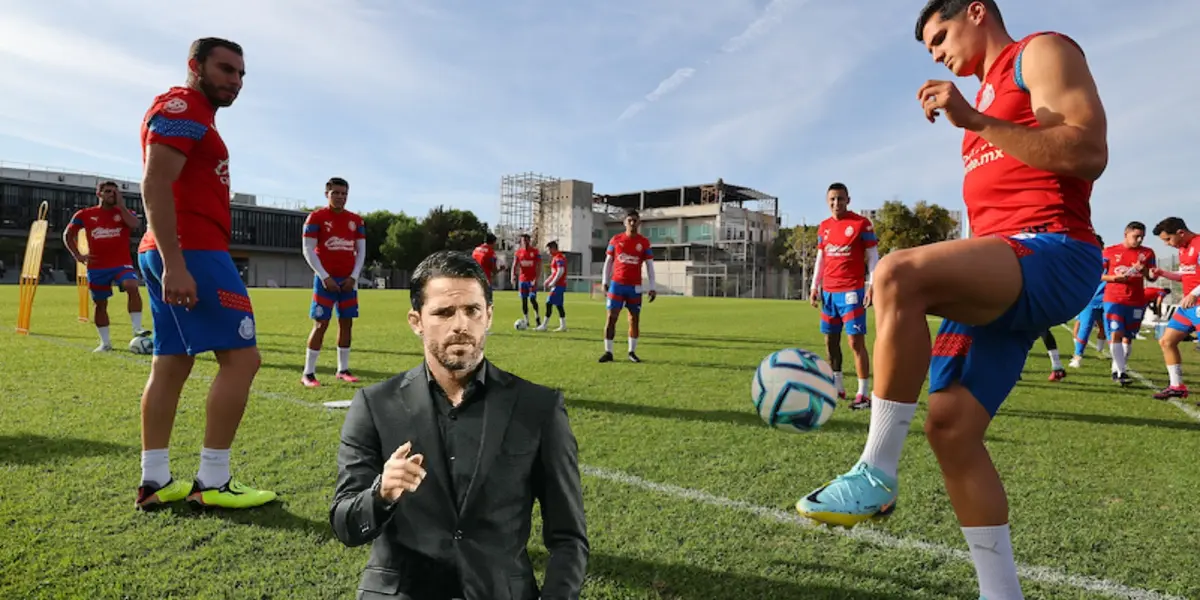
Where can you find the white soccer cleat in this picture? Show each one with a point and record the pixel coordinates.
(541, 327)
(561, 328)
(103, 348)
(1076, 361)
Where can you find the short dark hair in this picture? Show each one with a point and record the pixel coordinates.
(632, 212)
(445, 263)
(333, 181)
(491, 238)
(552, 244)
(526, 236)
(948, 9)
(104, 184)
(1136, 226)
(202, 48)
(1170, 226)
(839, 186)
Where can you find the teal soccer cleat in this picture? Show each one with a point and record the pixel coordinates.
(862, 494)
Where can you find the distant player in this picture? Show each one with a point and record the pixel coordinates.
(556, 285)
(1092, 316)
(335, 246)
(197, 298)
(1032, 264)
(1126, 267)
(1057, 372)
(108, 226)
(526, 270)
(622, 278)
(847, 252)
(1175, 233)
(485, 255)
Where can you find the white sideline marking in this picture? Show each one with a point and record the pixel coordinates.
(876, 537)
(1046, 575)
(1188, 410)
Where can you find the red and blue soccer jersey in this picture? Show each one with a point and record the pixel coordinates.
(485, 255)
(1188, 258)
(1133, 263)
(184, 119)
(107, 236)
(843, 244)
(337, 233)
(629, 252)
(527, 264)
(558, 270)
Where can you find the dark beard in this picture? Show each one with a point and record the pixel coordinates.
(456, 363)
(212, 92)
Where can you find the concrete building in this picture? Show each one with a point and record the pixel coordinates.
(708, 240)
(265, 241)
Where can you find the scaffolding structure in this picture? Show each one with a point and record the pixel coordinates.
(529, 203)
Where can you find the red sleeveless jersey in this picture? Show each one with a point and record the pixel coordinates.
(1004, 196)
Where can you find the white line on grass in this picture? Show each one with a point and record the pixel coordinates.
(1046, 575)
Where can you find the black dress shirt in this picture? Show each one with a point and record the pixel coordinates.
(461, 428)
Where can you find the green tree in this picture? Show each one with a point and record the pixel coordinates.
(402, 247)
(452, 229)
(899, 226)
(377, 223)
(795, 248)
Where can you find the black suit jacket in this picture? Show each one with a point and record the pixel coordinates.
(528, 451)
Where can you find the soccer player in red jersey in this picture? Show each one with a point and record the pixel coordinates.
(1126, 268)
(197, 298)
(1174, 232)
(335, 246)
(847, 252)
(527, 265)
(1034, 143)
(485, 255)
(622, 278)
(108, 225)
(556, 285)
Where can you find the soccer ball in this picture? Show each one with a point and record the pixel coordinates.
(521, 325)
(141, 345)
(793, 390)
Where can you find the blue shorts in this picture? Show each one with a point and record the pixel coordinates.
(223, 318)
(843, 308)
(556, 296)
(324, 300)
(528, 290)
(1061, 275)
(100, 281)
(1186, 320)
(624, 296)
(1122, 318)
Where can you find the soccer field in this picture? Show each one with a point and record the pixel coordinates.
(688, 494)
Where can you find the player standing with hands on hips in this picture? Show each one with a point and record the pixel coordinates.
(335, 246)
(1033, 145)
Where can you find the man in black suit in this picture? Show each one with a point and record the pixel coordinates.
(438, 467)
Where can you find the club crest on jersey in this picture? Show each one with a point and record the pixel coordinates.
(638, 246)
(223, 171)
(849, 230)
(986, 97)
(116, 218)
(175, 105)
(246, 328)
(350, 225)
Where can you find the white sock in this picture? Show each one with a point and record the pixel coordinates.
(104, 337)
(608, 345)
(632, 344)
(885, 438)
(838, 381)
(137, 321)
(1118, 355)
(343, 359)
(156, 466)
(1175, 372)
(1055, 361)
(562, 322)
(862, 386)
(1125, 346)
(992, 553)
(310, 361)
(214, 467)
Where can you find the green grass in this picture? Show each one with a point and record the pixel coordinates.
(1101, 480)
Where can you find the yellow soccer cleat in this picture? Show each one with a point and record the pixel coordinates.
(233, 494)
(149, 497)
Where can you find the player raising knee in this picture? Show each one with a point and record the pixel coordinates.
(1092, 316)
(197, 298)
(1126, 267)
(556, 284)
(335, 246)
(1175, 233)
(622, 279)
(527, 267)
(1033, 144)
(847, 252)
(108, 226)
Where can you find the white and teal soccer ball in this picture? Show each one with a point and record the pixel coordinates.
(141, 345)
(793, 390)
(521, 325)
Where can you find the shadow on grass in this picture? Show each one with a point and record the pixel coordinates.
(684, 581)
(29, 448)
(1123, 420)
(271, 516)
(746, 418)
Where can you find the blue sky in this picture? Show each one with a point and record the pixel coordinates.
(423, 102)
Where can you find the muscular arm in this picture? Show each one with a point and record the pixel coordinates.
(560, 494)
(1072, 136)
(130, 219)
(163, 165)
(1172, 275)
